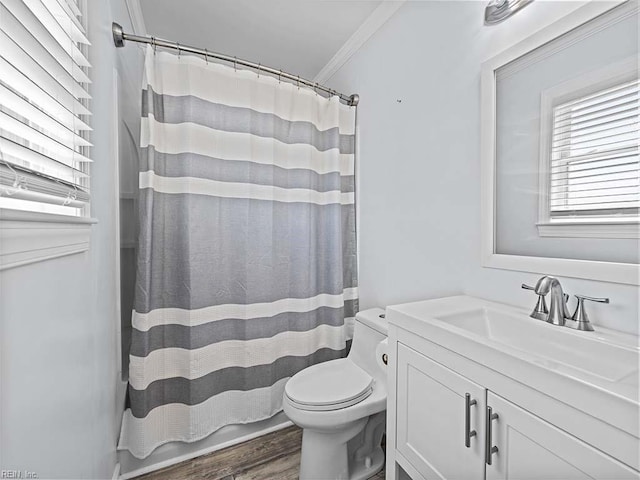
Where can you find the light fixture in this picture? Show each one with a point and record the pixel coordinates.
(499, 10)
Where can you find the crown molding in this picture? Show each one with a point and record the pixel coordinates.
(136, 17)
(370, 26)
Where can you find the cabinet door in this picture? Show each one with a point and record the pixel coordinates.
(531, 448)
(431, 419)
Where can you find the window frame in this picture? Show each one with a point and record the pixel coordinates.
(589, 226)
(30, 237)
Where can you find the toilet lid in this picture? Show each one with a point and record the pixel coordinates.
(329, 385)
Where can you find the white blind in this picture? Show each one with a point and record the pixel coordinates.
(595, 163)
(43, 107)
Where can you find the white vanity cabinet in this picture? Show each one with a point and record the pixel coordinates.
(529, 447)
(442, 425)
(432, 431)
(443, 385)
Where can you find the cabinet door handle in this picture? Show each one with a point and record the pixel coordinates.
(468, 433)
(489, 448)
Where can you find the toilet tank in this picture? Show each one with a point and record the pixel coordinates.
(369, 330)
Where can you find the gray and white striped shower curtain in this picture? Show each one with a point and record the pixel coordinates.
(247, 250)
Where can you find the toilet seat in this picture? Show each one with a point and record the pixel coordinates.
(329, 386)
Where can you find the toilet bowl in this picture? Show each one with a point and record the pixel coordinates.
(340, 405)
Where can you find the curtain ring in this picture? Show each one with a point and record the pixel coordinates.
(178, 47)
(315, 88)
(280, 77)
(259, 68)
(298, 82)
(153, 44)
(235, 64)
(206, 56)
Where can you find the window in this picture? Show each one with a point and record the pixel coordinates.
(44, 181)
(594, 155)
(43, 107)
(590, 162)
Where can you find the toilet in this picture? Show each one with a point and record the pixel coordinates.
(341, 406)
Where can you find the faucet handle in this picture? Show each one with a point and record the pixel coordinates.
(540, 311)
(592, 299)
(580, 317)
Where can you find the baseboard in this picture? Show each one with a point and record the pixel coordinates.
(116, 472)
(204, 451)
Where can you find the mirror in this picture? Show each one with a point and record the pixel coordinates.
(561, 168)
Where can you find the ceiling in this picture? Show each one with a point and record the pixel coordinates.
(297, 36)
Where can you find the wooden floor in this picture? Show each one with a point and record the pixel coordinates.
(275, 456)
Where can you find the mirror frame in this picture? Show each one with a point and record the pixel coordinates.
(625, 273)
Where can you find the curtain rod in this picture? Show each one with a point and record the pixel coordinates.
(119, 37)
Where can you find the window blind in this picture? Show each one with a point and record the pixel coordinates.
(595, 163)
(43, 107)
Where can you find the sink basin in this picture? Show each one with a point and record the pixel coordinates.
(556, 347)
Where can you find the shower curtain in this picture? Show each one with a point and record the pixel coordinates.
(247, 252)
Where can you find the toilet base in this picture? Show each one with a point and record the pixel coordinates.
(351, 452)
(324, 452)
(360, 471)
(366, 456)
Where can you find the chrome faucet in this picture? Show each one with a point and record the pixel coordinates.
(558, 312)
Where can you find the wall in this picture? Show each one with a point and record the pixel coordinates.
(59, 411)
(419, 179)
